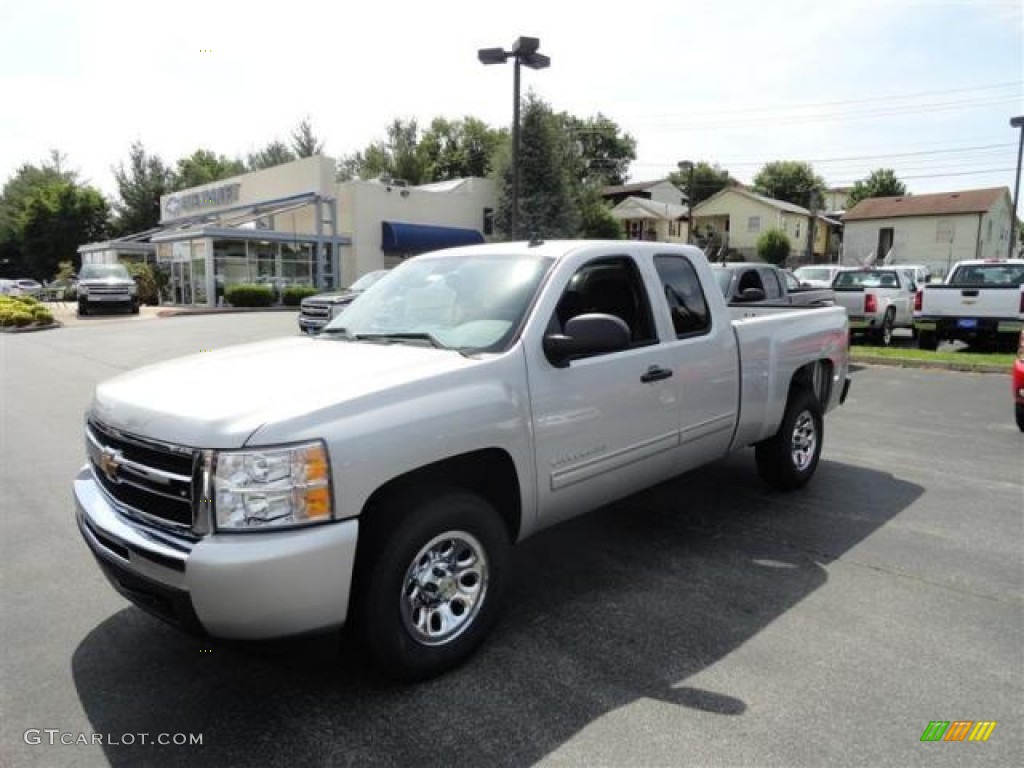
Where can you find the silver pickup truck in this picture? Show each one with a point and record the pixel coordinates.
(379, 473)
(877, 300)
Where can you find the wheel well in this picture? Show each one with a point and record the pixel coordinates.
(816, 377)
(489, 473)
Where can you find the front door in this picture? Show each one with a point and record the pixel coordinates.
(606, 425)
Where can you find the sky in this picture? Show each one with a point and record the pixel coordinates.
(926, 87)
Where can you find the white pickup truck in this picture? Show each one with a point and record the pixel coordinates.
(980, 302)
(877, 299)
(379, 473)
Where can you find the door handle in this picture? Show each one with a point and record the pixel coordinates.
(655, 373)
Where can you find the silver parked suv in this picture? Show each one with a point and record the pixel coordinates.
(106, 285)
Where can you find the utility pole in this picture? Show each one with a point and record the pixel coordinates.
(1016, 122)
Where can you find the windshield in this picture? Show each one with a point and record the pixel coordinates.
(989, 274)
(867, 279)
(93, 271)
(814, 273)
(367, 280)
(460, 302)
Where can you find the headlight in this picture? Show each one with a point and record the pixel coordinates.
(275, 487)
(133, 289)
(83, 290)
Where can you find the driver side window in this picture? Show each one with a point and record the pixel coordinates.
(610, 286)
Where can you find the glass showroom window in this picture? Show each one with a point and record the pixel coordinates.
(297, 263)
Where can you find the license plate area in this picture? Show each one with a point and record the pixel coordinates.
(967, 322)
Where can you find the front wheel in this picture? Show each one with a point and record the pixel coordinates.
(788, 459)
(429, 580)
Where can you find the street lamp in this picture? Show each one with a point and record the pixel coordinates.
(524, 52)
(687, 166)
(1016, 122)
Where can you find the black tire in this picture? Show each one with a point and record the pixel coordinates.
(393, 539)
(83, 310)
(135, 309)
(783, 461)
(1018, 410)
(927, 340)
(883, 335)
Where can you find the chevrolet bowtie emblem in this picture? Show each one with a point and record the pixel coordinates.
(110, 464)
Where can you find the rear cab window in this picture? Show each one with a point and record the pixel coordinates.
(684, 295)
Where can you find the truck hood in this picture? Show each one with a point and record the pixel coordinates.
(341, 297)
(218, 399)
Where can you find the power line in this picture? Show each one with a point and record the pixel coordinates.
(814, 105)
(981, 149)
(937, 175)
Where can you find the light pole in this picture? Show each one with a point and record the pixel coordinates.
(687, 166)
(1016, 122)
(524, 51)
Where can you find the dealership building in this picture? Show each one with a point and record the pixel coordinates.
(295, 225)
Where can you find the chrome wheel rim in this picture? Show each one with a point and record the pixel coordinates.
(444, 588)
(804, 442)
(887, 331)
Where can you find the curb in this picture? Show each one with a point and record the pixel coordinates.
(34, 328)
(941, 365)
(222, 311)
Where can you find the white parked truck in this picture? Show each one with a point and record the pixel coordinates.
(379, 473)
(980, 302)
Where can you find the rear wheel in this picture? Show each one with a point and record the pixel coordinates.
(429, 580)
(883, 336)
(788, 459)
(927, 340)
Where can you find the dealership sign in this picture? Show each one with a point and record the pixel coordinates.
(215, 197)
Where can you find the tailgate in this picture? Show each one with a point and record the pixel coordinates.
(966, 301)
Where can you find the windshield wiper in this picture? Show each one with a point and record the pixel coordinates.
(343, 332)
(400, 337)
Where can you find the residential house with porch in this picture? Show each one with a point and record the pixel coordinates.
(730, 222)
(650, 210)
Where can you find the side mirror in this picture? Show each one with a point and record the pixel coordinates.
(751, 294)
(590, 334)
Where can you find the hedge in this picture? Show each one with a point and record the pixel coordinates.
(294, 294)
(249, 295)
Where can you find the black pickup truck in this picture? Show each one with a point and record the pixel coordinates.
(755, 283)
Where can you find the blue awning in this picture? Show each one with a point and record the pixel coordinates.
(397, 236)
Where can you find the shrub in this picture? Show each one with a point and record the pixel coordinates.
(294, 294)
(42, 315)
(19, 318)
(773, 247)
(29, 301)
(145, 279)
(248, 295)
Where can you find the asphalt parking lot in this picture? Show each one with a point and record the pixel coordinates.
(708, 621)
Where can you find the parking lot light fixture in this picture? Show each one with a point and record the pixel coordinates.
(524, 53)
(1018, 123)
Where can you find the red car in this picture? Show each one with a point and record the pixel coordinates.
(1018, 383)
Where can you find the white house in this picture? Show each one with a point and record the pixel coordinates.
(644, 219)
(936, 229)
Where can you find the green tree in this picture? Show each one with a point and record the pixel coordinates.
(547, 206)
(139, 187)
(708, 180)
(275, 153)
(304, 141)
(789, 180)
(455, 149)
(879, 183)
(204, 167)
(596, 220)
(773, 247)
(18, 192)
(397, 157)
(59, 218)
(604, 151)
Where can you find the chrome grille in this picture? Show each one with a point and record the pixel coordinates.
(108, 290)
(316, 311)
(148, 479)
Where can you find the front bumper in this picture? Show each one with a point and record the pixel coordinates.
(243, 586)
